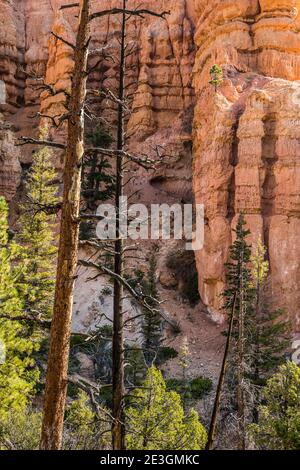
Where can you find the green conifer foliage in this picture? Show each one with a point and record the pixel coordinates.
(239, 293)
(80, 420)
(151, 323)
(271, 328)
(21, 430)
(36, 234)
(278, 426)
(84, 429)
(260, 335)
(238, 272)
(98, 182)
(217, 77)
(158, 422)
(238, 301)
(17, 373)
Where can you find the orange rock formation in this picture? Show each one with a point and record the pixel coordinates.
(246, 135)
(246, 139)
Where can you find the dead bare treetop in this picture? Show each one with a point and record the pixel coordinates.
(141, 12)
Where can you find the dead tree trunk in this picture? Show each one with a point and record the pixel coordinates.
(57, 370)
(118, 390)
(240, 362)
(257, 350)
(216, 408)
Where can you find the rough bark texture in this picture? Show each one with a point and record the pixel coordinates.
(58, 358)
(118, 389)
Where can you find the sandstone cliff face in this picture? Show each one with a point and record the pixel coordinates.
(246, 136)
(160, 73)
(159, 70)
(12, 45)
(246, 139)
(10, 168)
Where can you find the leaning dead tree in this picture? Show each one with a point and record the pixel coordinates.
(217, 402)
(58, 358)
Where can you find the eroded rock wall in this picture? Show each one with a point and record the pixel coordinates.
(246, 139)
(246, 136)
(160, 79)
(12, 47)
(160, 69)
(160, 66)
(10, 168)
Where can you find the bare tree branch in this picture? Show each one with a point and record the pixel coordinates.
(140, 13)
(90, 217)
(60, 38)
(106, 93)
(138, 296)
(144, 161)
(71, 5)
(57, 120)
(91, 388)
(47, 143)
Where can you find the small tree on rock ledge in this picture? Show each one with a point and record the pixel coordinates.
(217, 77)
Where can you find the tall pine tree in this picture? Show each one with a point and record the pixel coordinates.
(259, 337)
(37, 234)
(151, 323)
(238, 301)
(270, 330)
(98, 181)
(18, 375)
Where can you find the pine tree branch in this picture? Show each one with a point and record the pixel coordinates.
(44, 86)
(141, 298)
(46, 324)
(90, 217)
(96, 244)
(145, 162)
(59, 117)
(106, 93)
(46, 143)
(116, 11)
(91, 389)
(46, 208)
(94, 67)
(47, 87)
(71, 5)
(137, 12)
(60, 38)
(29, 319)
